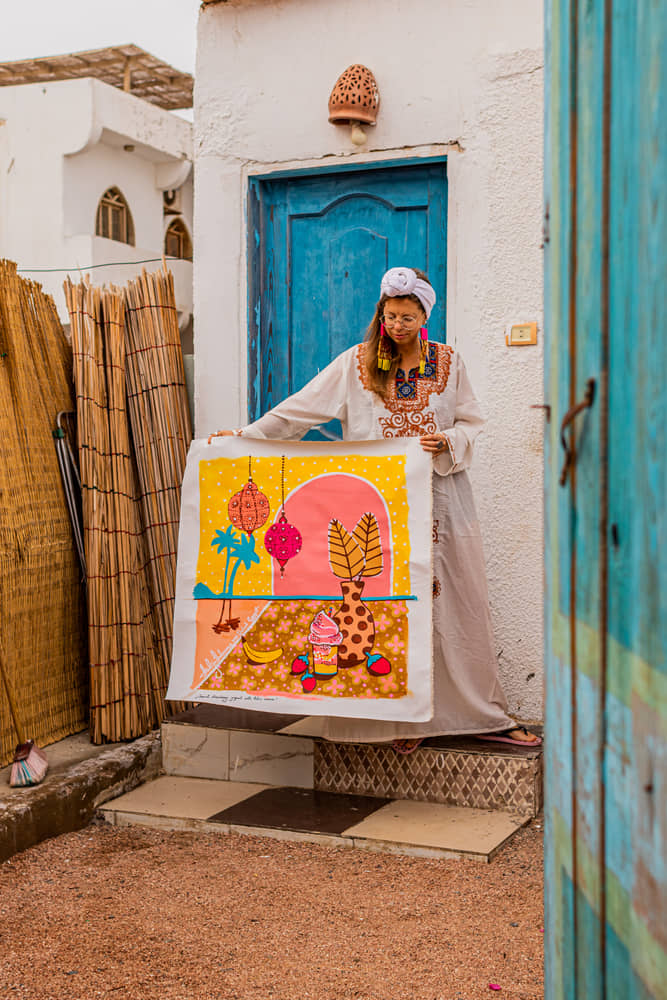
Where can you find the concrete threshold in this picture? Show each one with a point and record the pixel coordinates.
(81, 778)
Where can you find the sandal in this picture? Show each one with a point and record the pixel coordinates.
(504, 737)
(406, 746)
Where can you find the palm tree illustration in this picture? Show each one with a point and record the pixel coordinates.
(240, 552)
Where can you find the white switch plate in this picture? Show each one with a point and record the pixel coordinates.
(521, 334)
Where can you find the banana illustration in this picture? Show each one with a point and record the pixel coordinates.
(260, 655)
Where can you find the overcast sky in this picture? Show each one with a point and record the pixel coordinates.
(166, 28)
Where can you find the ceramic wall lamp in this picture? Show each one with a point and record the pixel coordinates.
(354, 101)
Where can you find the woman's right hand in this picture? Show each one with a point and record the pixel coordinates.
(217, 434)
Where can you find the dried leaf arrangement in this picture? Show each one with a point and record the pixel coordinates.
(356, 555)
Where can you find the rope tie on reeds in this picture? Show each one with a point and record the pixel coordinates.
(151, 347)
(153, 305)
(101, 404)
(111, 492)
(148, 389)
(133, 534)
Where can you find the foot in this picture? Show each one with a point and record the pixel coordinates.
(523, 735)
(406, 746)
(518, 735)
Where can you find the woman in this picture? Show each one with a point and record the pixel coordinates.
(398, 384)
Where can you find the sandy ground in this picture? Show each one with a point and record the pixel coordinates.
(138, 914)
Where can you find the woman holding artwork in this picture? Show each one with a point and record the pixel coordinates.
(399, 384)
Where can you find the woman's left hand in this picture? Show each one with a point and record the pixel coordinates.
(435, 444)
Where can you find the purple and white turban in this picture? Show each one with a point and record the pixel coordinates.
(400, 281)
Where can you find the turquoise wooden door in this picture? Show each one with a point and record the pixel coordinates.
(319, 244)
(606, 511)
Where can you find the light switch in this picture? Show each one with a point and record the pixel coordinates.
(521, 334)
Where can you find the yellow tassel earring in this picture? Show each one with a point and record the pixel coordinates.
(384, 351)
(423, 350)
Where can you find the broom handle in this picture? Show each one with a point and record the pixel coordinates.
(12, 704)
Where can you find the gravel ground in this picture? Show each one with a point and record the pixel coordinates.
(139, 914)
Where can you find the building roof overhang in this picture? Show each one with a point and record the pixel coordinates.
(126, 67)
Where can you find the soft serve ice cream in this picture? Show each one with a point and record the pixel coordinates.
(325, 639)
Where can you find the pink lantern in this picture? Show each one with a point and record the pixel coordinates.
(283, 541)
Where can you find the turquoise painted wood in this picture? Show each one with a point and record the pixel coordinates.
(319, 244)
(606, 528)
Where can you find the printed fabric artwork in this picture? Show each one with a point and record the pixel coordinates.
(304, 581)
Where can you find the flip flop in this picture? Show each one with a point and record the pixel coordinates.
(406, 746)
(502, 737)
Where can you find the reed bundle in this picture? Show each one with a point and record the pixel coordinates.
(42, 612)
(161, 431)
(134, 431)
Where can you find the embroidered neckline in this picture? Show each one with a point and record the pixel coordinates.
(400, 397)
(406, 388)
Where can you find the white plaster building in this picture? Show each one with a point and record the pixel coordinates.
(461, 81)
(91, 175)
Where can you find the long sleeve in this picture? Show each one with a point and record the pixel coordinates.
(468, 422)
(323, 398)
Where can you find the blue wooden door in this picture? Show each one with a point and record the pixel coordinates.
(319, 244)
(606, 515)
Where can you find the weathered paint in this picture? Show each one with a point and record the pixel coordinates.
(606, 530)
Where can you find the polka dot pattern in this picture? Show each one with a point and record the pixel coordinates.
(222, 478)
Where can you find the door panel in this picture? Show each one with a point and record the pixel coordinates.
(606, 569)
(319, 245)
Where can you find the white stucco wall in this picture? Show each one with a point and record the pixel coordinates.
(462, 78)
(61, 146)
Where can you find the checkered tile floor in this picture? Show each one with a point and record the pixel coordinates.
(423, 829)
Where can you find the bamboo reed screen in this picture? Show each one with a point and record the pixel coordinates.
(42, 611)
(134, 431)
(161, 431)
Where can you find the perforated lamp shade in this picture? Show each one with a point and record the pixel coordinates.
(355, 97)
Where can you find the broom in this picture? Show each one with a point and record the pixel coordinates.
(30, 764)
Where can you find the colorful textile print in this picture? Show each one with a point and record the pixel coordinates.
(406, 387)
(304, 576)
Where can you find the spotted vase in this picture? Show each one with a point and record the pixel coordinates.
(355, 622)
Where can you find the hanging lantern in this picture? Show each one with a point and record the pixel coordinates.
(248, 509)
(283, 541)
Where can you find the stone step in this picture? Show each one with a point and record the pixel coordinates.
(225, 744)
(419, 829)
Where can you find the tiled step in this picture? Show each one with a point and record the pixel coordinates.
(420, 829)
(226, 744)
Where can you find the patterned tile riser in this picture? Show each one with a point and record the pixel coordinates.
(481, 781)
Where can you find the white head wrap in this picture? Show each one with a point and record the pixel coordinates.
(400, 281)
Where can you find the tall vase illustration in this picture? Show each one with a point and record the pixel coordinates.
(355, 622)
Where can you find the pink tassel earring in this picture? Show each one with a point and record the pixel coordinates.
(423, 352)
(384, 351)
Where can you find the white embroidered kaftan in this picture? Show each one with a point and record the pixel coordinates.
(467, 694)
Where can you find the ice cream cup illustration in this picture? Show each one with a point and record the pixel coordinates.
(325, 639)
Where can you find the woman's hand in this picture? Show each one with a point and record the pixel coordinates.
(218, 434)
(435, 444)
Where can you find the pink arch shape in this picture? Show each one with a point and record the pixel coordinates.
(310, 508)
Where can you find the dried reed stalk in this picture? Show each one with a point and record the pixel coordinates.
(129, 370)
(42, 612)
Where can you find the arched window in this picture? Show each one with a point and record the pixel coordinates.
(114, 219)
(177, 242)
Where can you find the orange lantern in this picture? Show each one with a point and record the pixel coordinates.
(248, 509)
